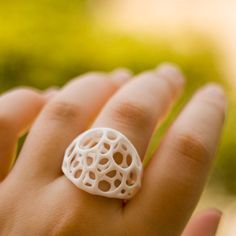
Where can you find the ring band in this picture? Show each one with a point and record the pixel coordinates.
(102, 161)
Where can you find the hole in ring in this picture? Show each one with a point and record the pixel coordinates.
(88, 184)
(75, 163)
(117, 183)
(132, 178)
(73, 158)
(104, 186)
(103, 161)
(92, 175)
(123, 191)
(111, 173)
(89, 160)
(105, 148)
(124, 147)
(78, 173)
(129, 160)
(118, 158)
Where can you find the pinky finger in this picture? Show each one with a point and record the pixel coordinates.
(204, 224)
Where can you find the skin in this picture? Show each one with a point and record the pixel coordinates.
(36, 199)
(204, 224)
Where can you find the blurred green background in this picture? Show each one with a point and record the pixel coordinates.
(46, 43)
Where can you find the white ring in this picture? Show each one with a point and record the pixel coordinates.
(102, 161)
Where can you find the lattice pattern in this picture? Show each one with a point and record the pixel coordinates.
(103, 162)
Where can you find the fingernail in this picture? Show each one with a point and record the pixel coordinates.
(171, 71)
(215, 211)
(215, 221)
(214, 89)
(216, 92)
(120, 76)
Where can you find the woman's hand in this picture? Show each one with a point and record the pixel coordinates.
(37, 199)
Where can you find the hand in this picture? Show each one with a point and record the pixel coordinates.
(36, 199)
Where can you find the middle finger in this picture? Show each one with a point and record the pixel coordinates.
(137, 107)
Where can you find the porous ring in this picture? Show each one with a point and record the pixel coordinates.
(102, 161)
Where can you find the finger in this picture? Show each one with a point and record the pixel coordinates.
(120, 76)
(137, 107)
(51, 92)
(18, 109)
(203, 224)
(69, 113)
(174, 178)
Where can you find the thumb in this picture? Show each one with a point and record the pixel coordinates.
(204, 223)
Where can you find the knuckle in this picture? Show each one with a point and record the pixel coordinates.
(63, 111)
(192, 147)
(133, 114)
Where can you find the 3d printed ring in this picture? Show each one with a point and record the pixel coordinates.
(102, 161)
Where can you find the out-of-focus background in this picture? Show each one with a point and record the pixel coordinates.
(45, 43)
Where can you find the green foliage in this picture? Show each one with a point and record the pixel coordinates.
(45, 43)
